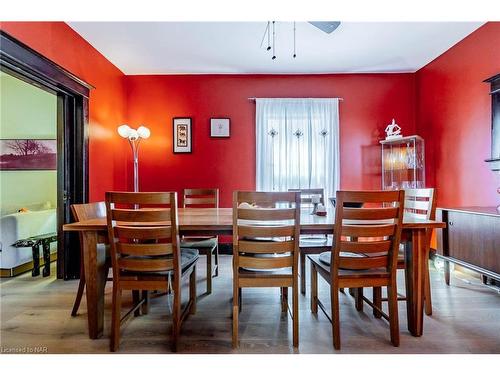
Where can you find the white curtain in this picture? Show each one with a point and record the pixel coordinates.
(297, 144)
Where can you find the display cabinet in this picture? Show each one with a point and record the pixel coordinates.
(403, 163)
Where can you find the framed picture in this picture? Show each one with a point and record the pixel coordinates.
(219, 127)
(183, 132)
(28, 154)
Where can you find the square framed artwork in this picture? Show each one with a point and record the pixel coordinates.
(182, 135)
(219, 127)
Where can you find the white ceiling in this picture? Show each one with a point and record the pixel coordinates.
(234, 47)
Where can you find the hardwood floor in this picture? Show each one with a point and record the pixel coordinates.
(35, 313)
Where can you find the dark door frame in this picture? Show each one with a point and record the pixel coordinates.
(23, 62)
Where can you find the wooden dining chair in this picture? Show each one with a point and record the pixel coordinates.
(420, 204)
(146, 255)
(266, 248)
(358, 257)
(206, 245)
(81, 212)
(310, 244)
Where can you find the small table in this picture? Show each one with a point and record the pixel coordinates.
(35, 242)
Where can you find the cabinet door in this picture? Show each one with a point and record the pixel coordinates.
(475, 239)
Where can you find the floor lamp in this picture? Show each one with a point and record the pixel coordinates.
(134, 137)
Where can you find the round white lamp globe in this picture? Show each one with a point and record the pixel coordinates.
(124, 131)
(143, 132)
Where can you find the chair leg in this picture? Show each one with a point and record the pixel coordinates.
(236, 310)
(216, 261)
(209, 272)
(240, 299)
(302, 272)
(427, 291)
(81, 287)
(176, 317)
(358, 296)
(145, 305)
(136, 299)
(115, 319)
(334, 295)
(377, 301)
(192, 291)
(314, 289)
(79, 295)
(284, 300)
(295, 315)
(392, 296)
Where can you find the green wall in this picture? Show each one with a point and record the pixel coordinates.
(26, 112)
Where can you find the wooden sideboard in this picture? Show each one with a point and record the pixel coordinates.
(471, 239)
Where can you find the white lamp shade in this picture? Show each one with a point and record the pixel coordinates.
(124, 131)
(143, 132)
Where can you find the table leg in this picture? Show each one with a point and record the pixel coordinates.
(416, 254)
(95, 277)
(35, 250)
(46, 257)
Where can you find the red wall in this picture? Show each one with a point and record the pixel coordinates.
(108, 153)
(454, 117)
(370, 102)
(445, 102)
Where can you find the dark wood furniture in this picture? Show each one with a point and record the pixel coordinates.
(420, 204)
(206, 245)
(34, 242)
(364, 254)
(87, 211)
(266, 249)
(471, 240)
(310, 244)
(146, 255)
(219, 221)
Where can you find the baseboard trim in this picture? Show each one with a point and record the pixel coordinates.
(25, 267)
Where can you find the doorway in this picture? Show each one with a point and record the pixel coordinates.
(66, 176)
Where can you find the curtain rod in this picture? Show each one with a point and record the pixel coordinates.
(253, 98)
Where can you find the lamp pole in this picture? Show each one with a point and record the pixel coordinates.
(134, 143)
(134, 137)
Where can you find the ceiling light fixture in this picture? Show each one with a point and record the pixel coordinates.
(326, 26)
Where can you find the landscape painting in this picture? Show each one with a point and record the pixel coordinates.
(28, 154)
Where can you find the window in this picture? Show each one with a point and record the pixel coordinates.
(297, 144)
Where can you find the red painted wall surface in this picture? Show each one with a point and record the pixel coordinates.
(370, 102)
(108, 153)
(454, 117)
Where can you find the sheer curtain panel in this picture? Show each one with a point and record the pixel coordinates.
(297, 144)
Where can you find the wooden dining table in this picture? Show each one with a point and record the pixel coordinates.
(218, 221)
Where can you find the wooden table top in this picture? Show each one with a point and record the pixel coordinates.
(221, 219)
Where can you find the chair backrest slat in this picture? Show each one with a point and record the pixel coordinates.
(194, 198)
(372, 232)
(143, 239)
(271, 228)
(420, 204)
(266, 213)
(274, 247)
(150, 249)
(133, 215)
(266, 263)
